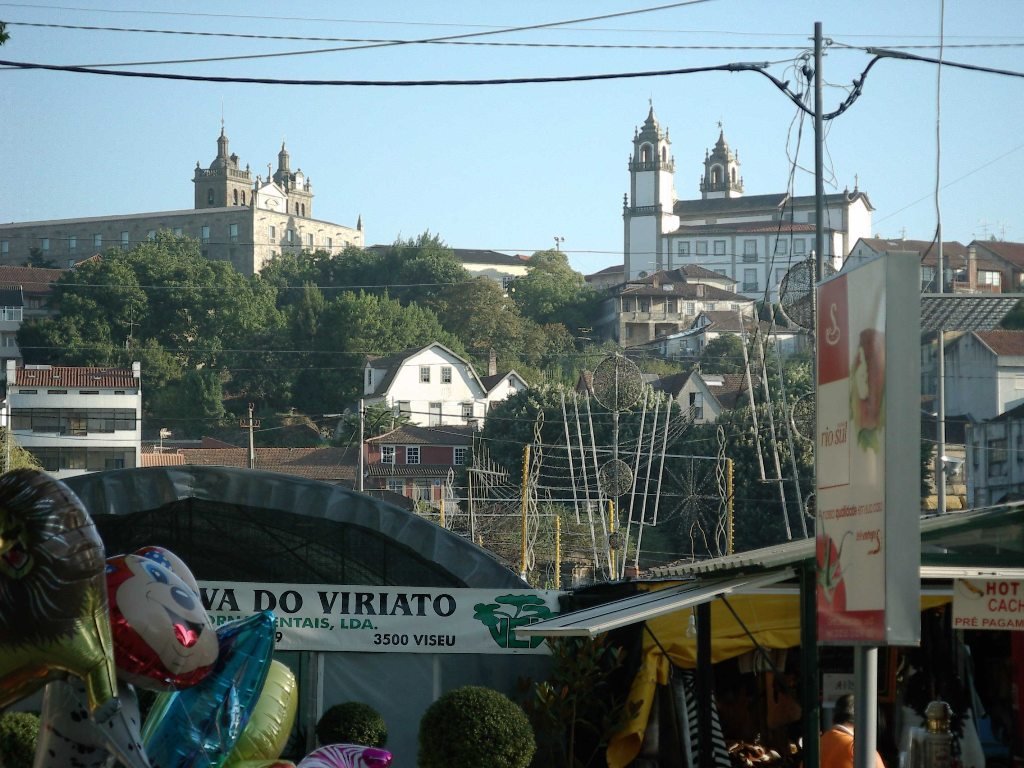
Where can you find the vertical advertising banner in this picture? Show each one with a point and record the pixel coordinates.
(867, 455)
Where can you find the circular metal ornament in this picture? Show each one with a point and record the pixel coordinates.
(615, 477)
(618, 383)
(796, 292)
(803, 417)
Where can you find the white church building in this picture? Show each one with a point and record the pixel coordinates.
(751, 239)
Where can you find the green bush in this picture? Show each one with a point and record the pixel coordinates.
(352, 723)
(472, 726)
(18, 734)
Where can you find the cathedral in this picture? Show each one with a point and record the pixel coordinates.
(237, 217)
(751, 239)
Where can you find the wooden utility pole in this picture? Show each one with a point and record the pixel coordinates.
(251, 424)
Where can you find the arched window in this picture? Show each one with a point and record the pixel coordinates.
(243, 197)
(664, 154)
(733, 175)
(716, 176)
(296, 209)
(209, 196)
(236, 197)
(646, 153)
(303, 210)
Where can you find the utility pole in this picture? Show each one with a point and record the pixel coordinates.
(251, 424)
(525, 505)
(362, 431)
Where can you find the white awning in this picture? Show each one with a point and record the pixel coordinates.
(647, 605)
(970, 572)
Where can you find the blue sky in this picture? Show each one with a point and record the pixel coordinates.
(509, 167)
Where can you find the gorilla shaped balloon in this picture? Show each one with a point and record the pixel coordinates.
(53, 597)
(198, 727)
(270, 723)
(346, 756)
(162, 635)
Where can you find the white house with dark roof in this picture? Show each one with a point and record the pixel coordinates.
(76, 420)
(752, 239)
(984, 374)
(434, 386)
(497, 266)
(703, 397)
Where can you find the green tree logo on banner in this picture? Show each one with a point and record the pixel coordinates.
(508, 612)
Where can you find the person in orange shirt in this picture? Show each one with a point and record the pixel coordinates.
(836, 750)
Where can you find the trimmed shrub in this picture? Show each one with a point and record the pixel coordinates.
(18, 734)
(473, 726)
(352, 723)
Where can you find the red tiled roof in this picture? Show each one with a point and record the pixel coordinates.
(409, 470)
(31, 279)
(329, 464)
(1009, 343)
(161, 459)
(61, 376)
(926, 249)
(1011, 252)
(410, 434)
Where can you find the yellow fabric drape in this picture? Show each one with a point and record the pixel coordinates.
(773, 620)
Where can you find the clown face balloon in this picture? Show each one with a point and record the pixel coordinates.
(162, 635)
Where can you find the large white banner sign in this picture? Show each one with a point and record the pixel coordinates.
(867, 454)
(329, 617)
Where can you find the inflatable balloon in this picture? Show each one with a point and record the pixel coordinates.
(346, 756)
(53, 597)
(171, 562)
(68, 736)
(163, 637)
(198, 727)
(270, 723)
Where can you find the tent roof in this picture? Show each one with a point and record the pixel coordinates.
(233, 524)
(986, 542)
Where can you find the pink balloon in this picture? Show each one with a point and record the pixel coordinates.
(346, 756)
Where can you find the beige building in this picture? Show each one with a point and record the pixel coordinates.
(239, 217)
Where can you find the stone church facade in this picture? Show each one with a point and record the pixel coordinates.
(239, 217)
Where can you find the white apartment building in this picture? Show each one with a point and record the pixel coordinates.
(76, 420)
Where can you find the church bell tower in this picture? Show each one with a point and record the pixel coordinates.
(648, 210)
(721, 171)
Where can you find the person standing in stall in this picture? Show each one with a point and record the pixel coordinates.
(836, 750)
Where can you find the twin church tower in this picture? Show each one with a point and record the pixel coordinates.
(724, 230)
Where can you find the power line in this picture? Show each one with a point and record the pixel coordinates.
(464, 36)
(888, 53)
(394, 41)
(736, 67)
(489, 43)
